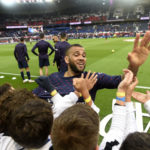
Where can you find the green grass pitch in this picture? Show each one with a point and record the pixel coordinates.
(99, 59)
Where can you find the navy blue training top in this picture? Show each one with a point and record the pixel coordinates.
(20, 52)
(64, 85)
(57, 53)
(62, 50)
(43, 46)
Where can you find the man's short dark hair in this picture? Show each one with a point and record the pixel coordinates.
(73, 45)
(76, 129)
(31, 123)
(136, 141)
(63, 35)
(22, 39)
(41, 35)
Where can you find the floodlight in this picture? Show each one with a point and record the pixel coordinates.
(48, 0)
(18, 1)
(39, 1)
(8, 2)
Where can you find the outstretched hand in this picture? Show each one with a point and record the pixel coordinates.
(130, 89)
(80, 84)
(128, 77)
(140, 52)
(91, 80)
(141, 97)
(85, 83)
(128, 84)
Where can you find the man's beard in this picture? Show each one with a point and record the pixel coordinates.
(74, 68)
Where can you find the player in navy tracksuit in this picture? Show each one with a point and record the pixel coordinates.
(22, 58)
(43, 46)
(62, 49)
(57, 54)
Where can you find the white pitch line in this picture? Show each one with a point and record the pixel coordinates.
(13, 74)
(142, 87)
(138, 87)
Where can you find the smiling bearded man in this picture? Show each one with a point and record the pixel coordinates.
(75, 58)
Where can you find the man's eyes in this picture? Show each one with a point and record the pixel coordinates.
(83, 55)
(76, 54)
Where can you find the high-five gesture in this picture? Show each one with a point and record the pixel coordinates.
(91, 80)
(85, 83)
(80, 84)
(124, 84)
(141, 97)
(139, 53)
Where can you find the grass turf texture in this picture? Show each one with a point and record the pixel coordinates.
(99, 59)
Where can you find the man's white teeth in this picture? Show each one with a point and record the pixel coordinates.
(81, 64)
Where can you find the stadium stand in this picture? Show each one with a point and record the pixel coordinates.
(114, 20)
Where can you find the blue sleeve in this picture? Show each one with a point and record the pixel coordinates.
(26, 53)
(15, 54)
(57, 56)
(41, 93)
(33, 50)
(106, 81)
(52, 49)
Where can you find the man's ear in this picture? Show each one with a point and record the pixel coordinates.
(67, 59)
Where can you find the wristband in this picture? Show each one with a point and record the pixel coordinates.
(88, 99)
(121, 98)
(80, 94)
(53, 93)
(120, 94)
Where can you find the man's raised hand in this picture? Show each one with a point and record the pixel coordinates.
(139, 53)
